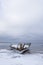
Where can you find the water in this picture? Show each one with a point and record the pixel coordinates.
(35, 48)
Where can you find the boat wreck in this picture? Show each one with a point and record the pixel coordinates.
(22, 48)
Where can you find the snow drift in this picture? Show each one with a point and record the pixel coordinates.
(8, 57)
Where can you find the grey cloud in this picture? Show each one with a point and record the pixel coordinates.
(19, 17)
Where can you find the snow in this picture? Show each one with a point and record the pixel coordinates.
(26, 46)
(14, 46)
(8, 57)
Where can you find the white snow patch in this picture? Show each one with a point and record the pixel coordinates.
(10, 58)
(14, 46)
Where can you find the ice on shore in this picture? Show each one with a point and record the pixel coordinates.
(9, 58)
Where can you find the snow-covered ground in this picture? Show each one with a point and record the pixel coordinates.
(10, 58)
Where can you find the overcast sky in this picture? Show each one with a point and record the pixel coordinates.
(19, 17)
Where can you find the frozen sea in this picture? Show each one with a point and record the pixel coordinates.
(8, 57)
